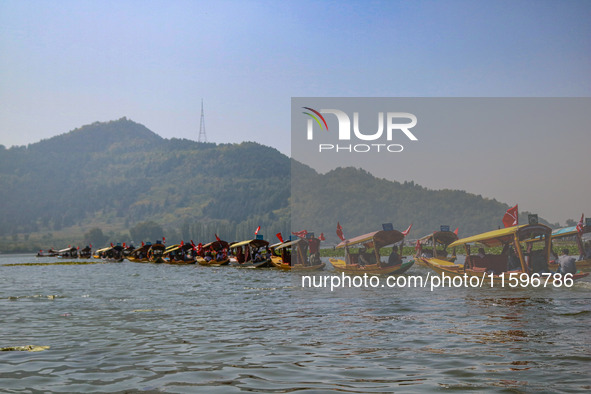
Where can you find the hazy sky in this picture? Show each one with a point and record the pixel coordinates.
(64, 64)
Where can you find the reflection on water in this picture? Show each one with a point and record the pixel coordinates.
(117, 327)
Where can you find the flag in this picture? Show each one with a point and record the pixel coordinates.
(405, 232)
(143, 244)
(511, 217)
(182, 243)
(580, 225)
(163, 240)
(321, 237)
(257, 230)
(340, 232)
(280, 237)
(218, 238)
(301, 234)
(456, 230)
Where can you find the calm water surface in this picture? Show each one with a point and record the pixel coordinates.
(131, 327)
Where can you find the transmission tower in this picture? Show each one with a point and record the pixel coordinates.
(202, 135)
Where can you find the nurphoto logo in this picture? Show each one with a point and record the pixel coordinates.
(393, 126)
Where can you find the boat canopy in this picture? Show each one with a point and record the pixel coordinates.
(103, 249)
(66, 250)
(505, 235)
(379, 239)
(216, 245)
(257, 243)
(289, 244)
(172, 248)
(568, 231)
(440, 237)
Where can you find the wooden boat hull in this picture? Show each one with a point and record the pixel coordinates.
(458, 270)
(261, 264)
(212, 263)
(278, 263)
(424, 261)
(373, 269)
(137, 260)
(180, 262)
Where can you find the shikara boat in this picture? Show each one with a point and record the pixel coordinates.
(214, 254)
(140, 255)
(113, 254)
(50, 253)
(156, 253)
(293, 255)
(248, 254)
(433, 247)
(179, 254)
(512, 259)
(85, 253)
(364, 262)
(68, 253)
(584, 261)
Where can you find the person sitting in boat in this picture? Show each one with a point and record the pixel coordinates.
(566, 263)
(394, 258)
(221, 255)
(513, 262)
(258, 257)
(364, 257)
(208, 256)
(427, 253)
(481, 253)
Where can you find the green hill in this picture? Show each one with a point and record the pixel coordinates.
(121, 178)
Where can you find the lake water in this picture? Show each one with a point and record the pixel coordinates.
(126, 327)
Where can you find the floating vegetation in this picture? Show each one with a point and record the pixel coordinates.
(58, 263)
(49, 297)
(28, 348)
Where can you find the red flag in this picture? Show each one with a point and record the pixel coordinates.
(280, 237)
(301, 234)
(90, 246)
(511, 217)
(218, 238)
(143, 244)
(340, 232)
(257, 230)
(405, 232)
(321, 237)
(111, 244)
(123, 244)
(182, 243)
(456, 230)
(163, 240)
(580, 225)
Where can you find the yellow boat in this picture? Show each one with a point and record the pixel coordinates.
(298, 261)
(245, 254)
(140, 255)
(496, 268)
(365, 263)
(434, 247)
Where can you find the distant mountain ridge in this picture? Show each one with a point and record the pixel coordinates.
(116, 174)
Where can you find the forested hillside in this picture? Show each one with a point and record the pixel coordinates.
(120, 182)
